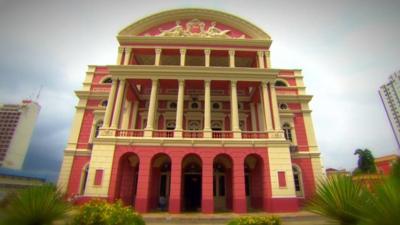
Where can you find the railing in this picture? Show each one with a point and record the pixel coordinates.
(100, 87)
(163, 133)
(222, 134)
(129, 133)
(192, 134)
(254, 135)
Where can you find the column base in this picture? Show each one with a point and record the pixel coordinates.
(108, 132)
(148, 133)
(178, 133)
(207, 133)
(237, 134)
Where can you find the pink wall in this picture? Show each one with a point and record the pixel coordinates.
(76, 172)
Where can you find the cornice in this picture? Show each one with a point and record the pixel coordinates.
(294, 98)
(156, 40)
(192, 72)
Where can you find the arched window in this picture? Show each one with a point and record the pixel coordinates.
(280, 83)
(298, 182)
(84, 177)
(108, 80)
(287, 131)
(98, 126)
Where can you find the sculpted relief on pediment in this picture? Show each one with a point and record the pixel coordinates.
(195, 28)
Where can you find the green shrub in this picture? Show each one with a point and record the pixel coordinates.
(256, 220)
(99, 212)
(40, 205)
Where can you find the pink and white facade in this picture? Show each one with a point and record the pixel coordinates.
(193, 118)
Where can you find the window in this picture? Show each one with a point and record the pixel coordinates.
(104, 103)
(108, 80)
(280, 83)
(194, 125)
(194, 105)
(170, 125)
(98, 126)
(216, 106)
(287, 131)
(172, 105)
(297, 181)
(283, 106)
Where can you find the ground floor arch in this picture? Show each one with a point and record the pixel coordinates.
(127, 178)
(254, 182)
(160, 180)
(222, 182)
(192, 182)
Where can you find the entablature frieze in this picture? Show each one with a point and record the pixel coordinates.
(200, 142)
(192, 73)
(192, 41)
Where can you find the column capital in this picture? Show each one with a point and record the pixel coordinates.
(182, 51)
(122, 80)
(234, 83)
(121, 49)
(154, 80)
(260, 53)
(207, 51)
(231, 52)
(128, 50)
(267, 53)
(181, 81)
(158, 50)
(207, 81)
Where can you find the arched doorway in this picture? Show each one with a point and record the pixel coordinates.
(160, 180)
(222, 183)
(254, 185)
(191, 177)
(127, 178)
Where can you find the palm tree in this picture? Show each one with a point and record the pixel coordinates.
(337, 198)
(35, 206)
(366, 161)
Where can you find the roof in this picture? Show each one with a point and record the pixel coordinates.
(20, 174)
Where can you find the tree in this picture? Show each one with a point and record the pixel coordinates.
(366, 161)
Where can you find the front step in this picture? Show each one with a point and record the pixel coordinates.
(298, 218)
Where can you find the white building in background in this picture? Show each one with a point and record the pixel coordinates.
(390, 96)
(16, 126)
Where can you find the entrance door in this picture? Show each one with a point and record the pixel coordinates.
(192, 192)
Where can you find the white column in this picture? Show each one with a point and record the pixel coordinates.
(183, 56)
(126, 113)
(253, 116)
(275, 108)
(135, 113)
(152, 108)
(158, 56)
(207, 108)
(119, 57)
(267, 108)
(234, 110)
(231, 58)
(207, 53)
(110, 104)
(118, 103)
(267, 59)
(260, 55)
(127, 56)
(179, 109)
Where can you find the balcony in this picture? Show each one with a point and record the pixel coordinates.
(195, 134)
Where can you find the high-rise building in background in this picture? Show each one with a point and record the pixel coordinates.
(16, 127)
(390, 96)
(193, 118)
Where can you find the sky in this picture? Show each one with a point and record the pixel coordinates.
(346, 48)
